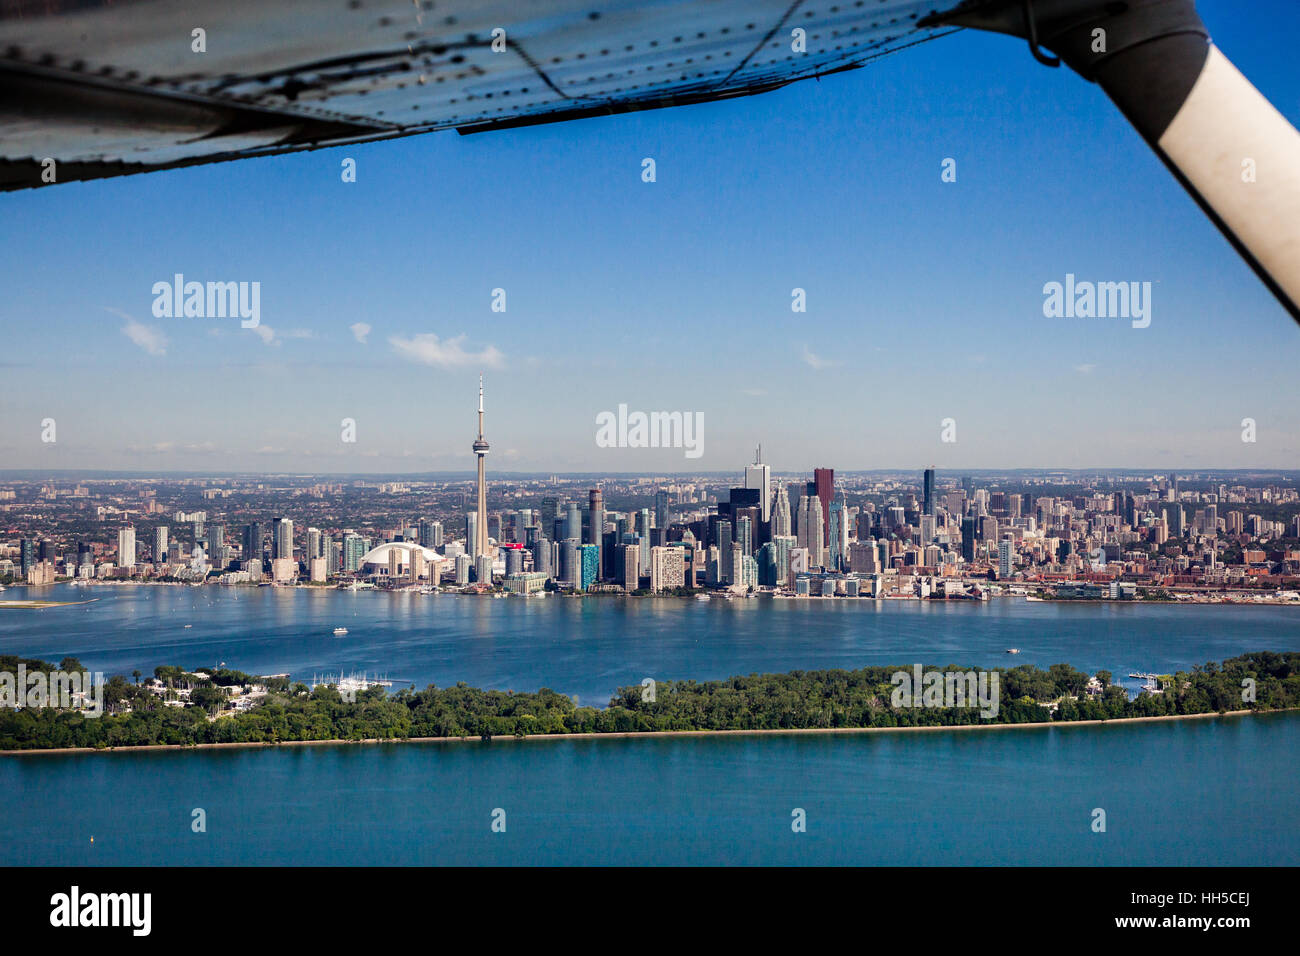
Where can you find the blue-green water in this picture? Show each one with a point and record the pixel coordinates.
(1193, 792)
(591, 647)
(1212, 791)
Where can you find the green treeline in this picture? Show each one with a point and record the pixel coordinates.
(800, 699)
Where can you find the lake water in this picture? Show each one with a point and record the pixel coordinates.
(1213, 791)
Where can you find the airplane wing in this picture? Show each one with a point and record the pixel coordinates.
(109, 88)
(93, 88)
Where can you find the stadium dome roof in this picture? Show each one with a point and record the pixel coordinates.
(379, 556)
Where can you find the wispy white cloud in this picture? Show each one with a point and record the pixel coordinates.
(163, 447)
(816, 361)
(359, 331)
(148, 337)
(1085, 368)
(427, 349)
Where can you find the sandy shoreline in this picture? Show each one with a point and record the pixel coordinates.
(186, 748)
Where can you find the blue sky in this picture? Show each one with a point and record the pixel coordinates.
(924, 298)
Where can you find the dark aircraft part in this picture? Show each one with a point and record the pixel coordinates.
(101, 88)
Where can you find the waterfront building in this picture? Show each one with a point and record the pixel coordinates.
(541, 549)
(571, 562)
(726, 569)
(250, 542)
(596, 520)
(126, 547)
(354, 549)
(782, 546)
(631, 568)
(643, 531)
(284, 538)
(525, 582)
(283, 570)
(40, 573)
(590, 566)
(666, 568)
(217, 545)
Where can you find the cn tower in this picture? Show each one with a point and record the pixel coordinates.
(481, 449)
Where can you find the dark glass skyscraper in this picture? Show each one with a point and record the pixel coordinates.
(927, 506)
(251, 542)
(661, 509)
(824, 480)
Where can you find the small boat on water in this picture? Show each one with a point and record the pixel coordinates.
(340, 632)
(188, 626)
(1013, 650)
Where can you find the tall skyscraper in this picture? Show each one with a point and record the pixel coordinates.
(284, 538)
(759, 476)
(429, 533)
(782, 524)
(596, 520)
(824, 479)
(745, 534)
(250, 542)
(928, 503)
(354, 548)
(1005, 566)
(630, 572)
(661, 509)
(643, 530)
(550, 510)
(838, 542)
(812, 530)
(481, 450)
(968, 537)
(126, 547)
(160, 543)
(725, 564)
(217, 545)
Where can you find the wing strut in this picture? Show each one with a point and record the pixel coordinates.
(1231, 149)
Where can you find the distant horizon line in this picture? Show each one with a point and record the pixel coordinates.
(470, 474)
